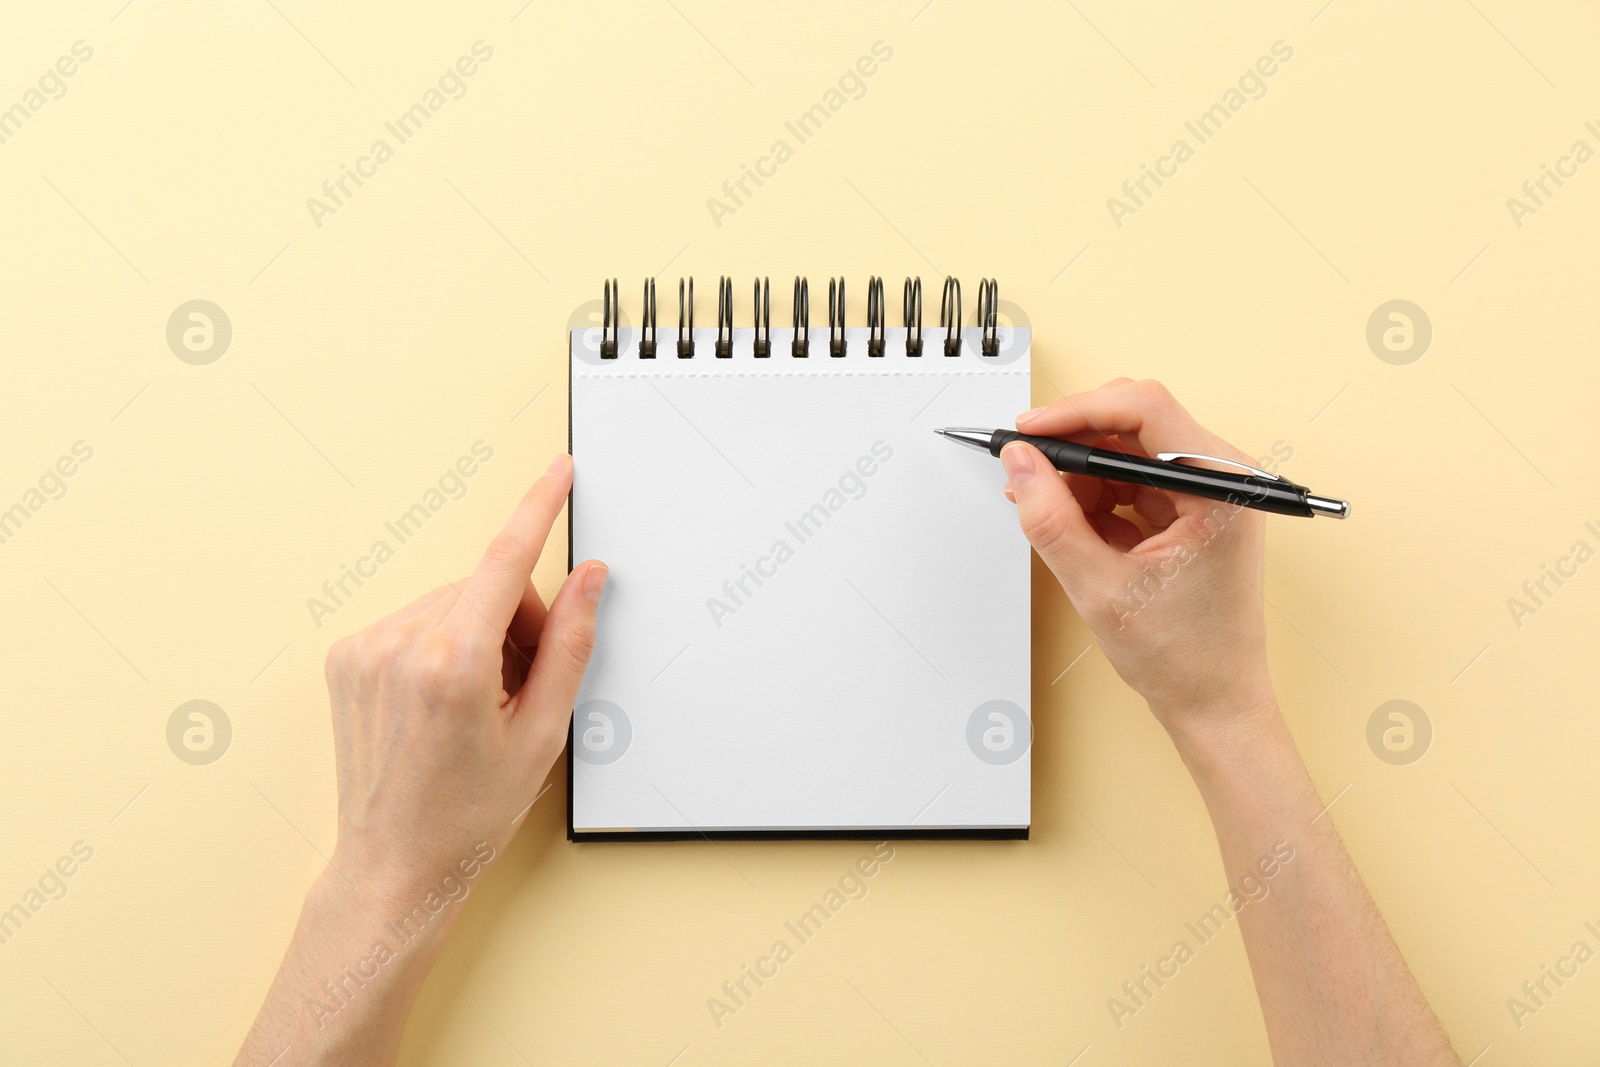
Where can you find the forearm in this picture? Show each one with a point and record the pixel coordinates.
(1333, 986)
(348, 979)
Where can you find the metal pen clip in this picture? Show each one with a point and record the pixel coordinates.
(1171, 457)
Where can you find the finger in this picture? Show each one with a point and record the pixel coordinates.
(1093, 494)
(1128, 444)
(1115, 494)
(1144, 414)
(514, 666)
(528, 622)
(1053, 520)
(1155, 507)
(564, 650)
(522, 638)
(1117, 531)
(495, 589)
(1145, 409)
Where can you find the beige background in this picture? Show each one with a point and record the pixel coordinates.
(430, 312)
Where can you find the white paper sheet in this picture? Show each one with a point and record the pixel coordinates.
(818, 611)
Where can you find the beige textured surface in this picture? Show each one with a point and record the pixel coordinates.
(430, 312)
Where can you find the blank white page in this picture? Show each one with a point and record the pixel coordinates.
(817, 618)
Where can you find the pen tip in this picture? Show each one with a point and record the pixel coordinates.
(939, 432)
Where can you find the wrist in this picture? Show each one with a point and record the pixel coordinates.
(350, 975)
(1249, 772)
(414, 899)
(1227, 736)
(382, 918)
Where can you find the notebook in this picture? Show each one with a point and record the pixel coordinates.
(817, 620)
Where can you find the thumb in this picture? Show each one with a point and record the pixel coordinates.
(1052, 519)
(565, 645)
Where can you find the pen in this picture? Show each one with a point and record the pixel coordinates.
(1255, 489)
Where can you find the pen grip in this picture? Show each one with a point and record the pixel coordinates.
(1272, 495)
(1067, 456)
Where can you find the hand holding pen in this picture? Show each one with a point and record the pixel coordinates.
(1177, 603)
(1174, 598)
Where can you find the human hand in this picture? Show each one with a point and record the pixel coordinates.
(448, 714)
(446, 718)
(1174, 602)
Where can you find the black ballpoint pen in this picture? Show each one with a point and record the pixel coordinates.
(1256, 489)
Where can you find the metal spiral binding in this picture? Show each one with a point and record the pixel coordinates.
(802, 318)
(836, 341)
(685, 334)
(763, 316)
(875, 316)
(724, 348)
(950, 316)
(913, 306)
(989, 315)
(647, 324)
(988, 318)
(610, 315)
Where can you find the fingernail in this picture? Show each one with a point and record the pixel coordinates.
(1028, 416)
(595, 581)
(557, 464)
(1018, 464)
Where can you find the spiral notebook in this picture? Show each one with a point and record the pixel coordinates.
(817, 620)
